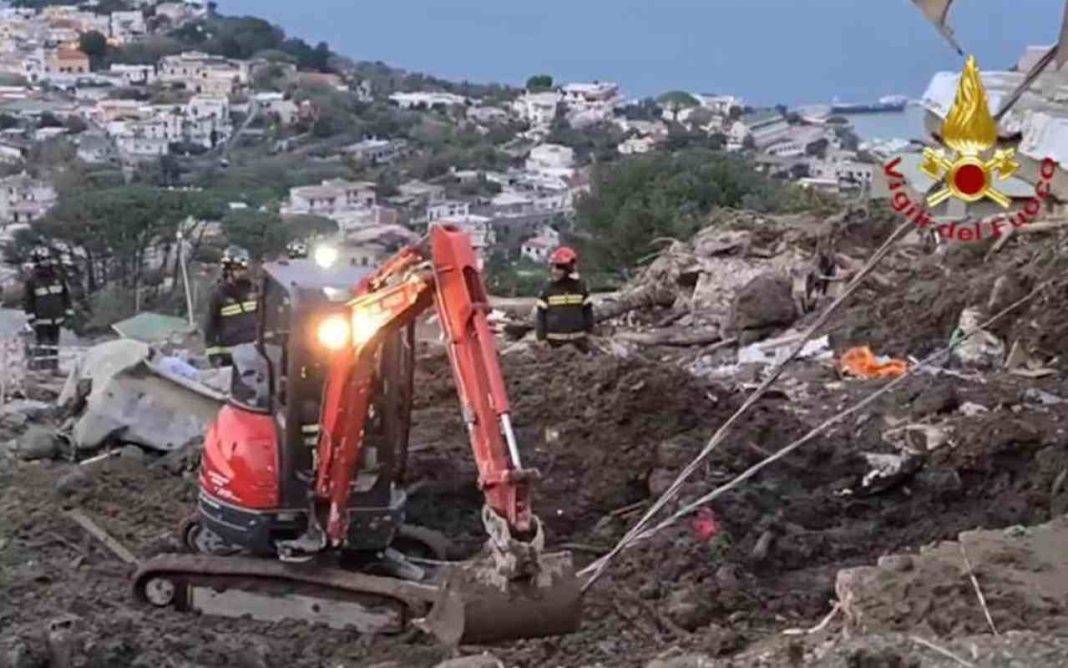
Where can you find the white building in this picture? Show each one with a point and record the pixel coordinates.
(551, 159)
(126, 26)
(201, 73)
(539, 248)
(24, 200)
(330, 198)
(538, 109)
(427, 100)
(134, 75)
(448, 209)
(375, 151)
(600, 95)
(477, 227)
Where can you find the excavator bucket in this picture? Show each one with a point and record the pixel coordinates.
(477, 605)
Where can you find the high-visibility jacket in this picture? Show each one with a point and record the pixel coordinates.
(564, 311)
(46, 298)
(232, 317)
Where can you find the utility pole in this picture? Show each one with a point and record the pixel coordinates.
(185, 279)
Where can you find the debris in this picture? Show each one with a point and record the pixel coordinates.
(104, 537)
(981, 349)
(37, 443)
(917, 437)
(975, 584)
(887, 472)
(765, 302)
(77, 480)
(705, 526)
(677, 337)
(135, 400)
(971, 409)
(862, 363)
(1035, 395)
(941, 650)
(484, 660)
(1033, 373)
(818, 627)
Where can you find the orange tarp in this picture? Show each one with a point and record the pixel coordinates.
(860, 362)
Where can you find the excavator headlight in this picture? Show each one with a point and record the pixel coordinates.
(333, 332)
(325, 256)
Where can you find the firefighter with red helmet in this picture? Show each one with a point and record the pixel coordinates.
(564, 309)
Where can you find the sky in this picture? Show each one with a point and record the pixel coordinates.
(767, 51)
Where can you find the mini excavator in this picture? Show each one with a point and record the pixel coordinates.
(301, 510)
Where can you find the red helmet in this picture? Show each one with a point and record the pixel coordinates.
(563, 255)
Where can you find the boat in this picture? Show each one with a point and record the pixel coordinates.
(888, 103)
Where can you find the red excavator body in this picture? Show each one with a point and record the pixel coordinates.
(306, 463)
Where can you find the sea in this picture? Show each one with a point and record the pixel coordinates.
(906, 124)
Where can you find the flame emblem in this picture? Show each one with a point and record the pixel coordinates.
(970, 131)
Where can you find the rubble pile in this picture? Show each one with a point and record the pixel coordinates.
(961, 452)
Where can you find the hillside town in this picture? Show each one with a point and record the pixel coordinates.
(731, 388)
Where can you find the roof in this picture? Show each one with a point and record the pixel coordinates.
(761, 116)
(1047, 138)
(540, 242)
(70, 54)
(308, 274)
(152, 327)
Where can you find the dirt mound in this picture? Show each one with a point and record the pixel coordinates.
(591, 425)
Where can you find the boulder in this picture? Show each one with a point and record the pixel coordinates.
(764, 302)
(37, 443)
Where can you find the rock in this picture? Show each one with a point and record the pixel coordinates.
(686, 609)
(132, 454)
(683, 661)
(763, 544)
(484, 660)
(37, 443)
(25, 653)
(727, 577)
(944, 482)
(1037, 396)
(77, 480)
(936, 398)
(659, 481)
(766, 301)
(674, 453)
(896, 563)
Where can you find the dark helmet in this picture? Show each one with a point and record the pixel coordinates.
(564, 256)
(296, 250)
(235, 256)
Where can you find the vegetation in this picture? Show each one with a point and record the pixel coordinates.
(246, 36)
(636, 201)
(539, 83)
(261, 233)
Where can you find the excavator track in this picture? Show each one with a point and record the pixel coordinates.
(458, 601)
(271, 590)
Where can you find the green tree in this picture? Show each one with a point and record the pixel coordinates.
(677, 100)
(539, 83)
(94, 44)
(637, 200)
(262, 233)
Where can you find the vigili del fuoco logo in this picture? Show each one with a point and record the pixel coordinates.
(969, 170)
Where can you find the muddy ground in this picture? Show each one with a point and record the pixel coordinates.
(608, 434)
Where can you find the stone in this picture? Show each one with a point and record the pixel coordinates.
(77, 480)
(945, 482)
(484, 660)
(674, 453)
(37, 443)
(132, 454)
(765, 301)
(683, 661)
(685, 608)
(896, 563)
(659, 481)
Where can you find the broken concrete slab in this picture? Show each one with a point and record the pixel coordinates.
(1023, 574)
(134, 400)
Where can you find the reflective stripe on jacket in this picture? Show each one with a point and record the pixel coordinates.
(564, 310)
(232, 317)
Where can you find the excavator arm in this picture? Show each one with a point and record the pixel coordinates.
(441, 271)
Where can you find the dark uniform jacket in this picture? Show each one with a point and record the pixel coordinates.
(232, 317)
(46, 299)
(565, 312)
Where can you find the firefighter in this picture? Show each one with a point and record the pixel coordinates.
(232, 316)
(46, 301)
(564, 309)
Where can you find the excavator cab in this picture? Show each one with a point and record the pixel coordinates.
(272, 425)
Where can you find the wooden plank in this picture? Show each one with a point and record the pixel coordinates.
(120, 551)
